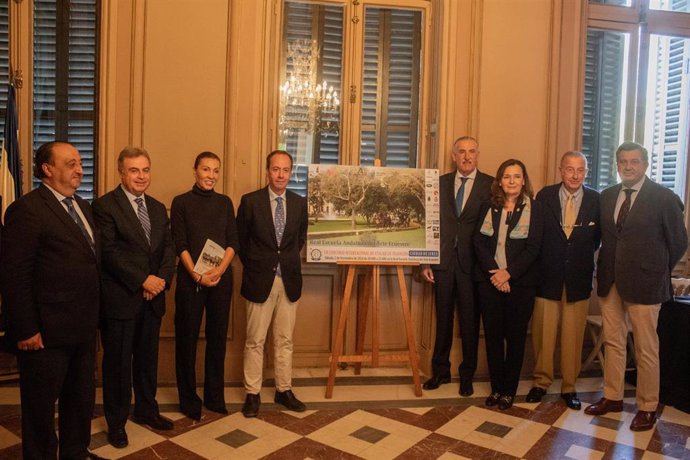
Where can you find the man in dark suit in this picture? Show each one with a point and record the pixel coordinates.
(571, 235)
(643, 236)
(138, 265)
(50, 292)
(462, 193)
(272, 225)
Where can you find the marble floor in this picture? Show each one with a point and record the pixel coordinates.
(376, 416)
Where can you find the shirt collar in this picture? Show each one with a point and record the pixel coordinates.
(471, 175)
(637, 186)
(57, 194)
(273, 195)
(131, 197)
(564, 192)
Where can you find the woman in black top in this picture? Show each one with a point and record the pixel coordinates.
(196, 216)
(507, 243)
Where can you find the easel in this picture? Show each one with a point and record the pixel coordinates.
(372, 286)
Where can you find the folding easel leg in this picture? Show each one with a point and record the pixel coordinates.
(362, 312)
(338, 341)
(411, 343)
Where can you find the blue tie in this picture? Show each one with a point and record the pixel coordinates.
(77, 220)
(460, 196)
(279, 224)
(143, 215)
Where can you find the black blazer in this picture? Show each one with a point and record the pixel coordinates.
(127, 257)
(521, 254)
(259, 250)
(460, 228)
(641, 257)
(48, 272)
(568, 260)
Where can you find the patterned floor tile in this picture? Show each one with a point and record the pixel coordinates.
(522, 436)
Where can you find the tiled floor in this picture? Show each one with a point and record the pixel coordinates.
(376, 416)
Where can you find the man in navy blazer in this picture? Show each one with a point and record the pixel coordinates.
(571, 236)
(50, 293)
(643, 236)
(138, 265)
(272, 227)
(462, 193)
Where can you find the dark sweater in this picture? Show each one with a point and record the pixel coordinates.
(199, 215)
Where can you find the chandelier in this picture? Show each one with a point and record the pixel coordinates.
(305, 104)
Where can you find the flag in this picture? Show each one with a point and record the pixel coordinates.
(10, 170)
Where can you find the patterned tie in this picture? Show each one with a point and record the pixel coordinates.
(77, 220)
(460, 196)
(279, 224)
(624, 210)
(143, 215)
(569, 219)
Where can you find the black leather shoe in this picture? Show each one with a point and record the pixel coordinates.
(535, 395)
(435, 382)
(492, 399)
(118, 438)
(250, 408)
(466, 388)
(506, 402)
(571, 400)
(220, 409)
(157, 422)
(289, 400)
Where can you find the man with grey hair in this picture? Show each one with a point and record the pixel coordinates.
(138, 265)
(643, 236)
(571, 236)
(462, 192)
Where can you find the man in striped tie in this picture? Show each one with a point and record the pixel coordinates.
(138, 264)
(272, 278)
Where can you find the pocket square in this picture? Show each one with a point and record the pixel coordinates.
(591, 224)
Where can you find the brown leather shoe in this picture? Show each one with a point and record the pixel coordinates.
(604, 406)
(643, 421)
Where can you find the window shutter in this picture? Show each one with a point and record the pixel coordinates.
(603, 105)
(65, 79)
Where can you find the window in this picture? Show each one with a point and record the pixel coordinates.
(65, 73)
(637, 78)
(350, 95)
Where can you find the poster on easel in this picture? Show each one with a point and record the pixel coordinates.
(376, 214)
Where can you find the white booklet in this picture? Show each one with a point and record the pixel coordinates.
(211, 257)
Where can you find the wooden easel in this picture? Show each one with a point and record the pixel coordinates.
(372, 290)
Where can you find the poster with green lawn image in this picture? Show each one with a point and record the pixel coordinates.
(377, 214)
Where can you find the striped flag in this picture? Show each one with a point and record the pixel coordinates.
(10, 168)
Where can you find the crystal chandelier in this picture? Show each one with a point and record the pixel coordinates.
(305, 104)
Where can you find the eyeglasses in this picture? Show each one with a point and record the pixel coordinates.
(571, 171)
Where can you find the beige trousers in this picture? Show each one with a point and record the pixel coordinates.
(279, 311)
(644, 319)
(545, 319)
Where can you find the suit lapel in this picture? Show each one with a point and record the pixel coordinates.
(449, 187)
(553, 202)
(639, 199)
(131, 216)
(61, 213)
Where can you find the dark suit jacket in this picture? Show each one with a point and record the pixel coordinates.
(641, 257)
(460, 228)
(259, 250)
(568, 260)
(127, 257)
(49, 274)
(521, 254)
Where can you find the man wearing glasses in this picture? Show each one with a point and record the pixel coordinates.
(571, 235)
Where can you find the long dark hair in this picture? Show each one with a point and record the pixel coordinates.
(498, 196)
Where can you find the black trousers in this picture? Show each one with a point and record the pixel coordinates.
(505, 318)
(455, 290)
(189, 310)
(66, 374)
(130, 358)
